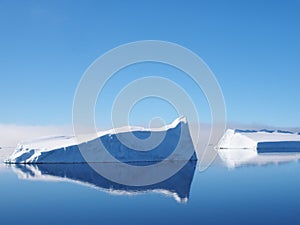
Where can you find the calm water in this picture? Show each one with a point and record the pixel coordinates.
(74, 194)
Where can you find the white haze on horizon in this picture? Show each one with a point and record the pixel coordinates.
(12, 134)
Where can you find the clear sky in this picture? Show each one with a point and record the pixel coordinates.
(253, 48)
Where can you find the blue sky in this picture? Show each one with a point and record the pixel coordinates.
(253, 48)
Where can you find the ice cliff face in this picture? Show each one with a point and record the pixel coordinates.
(64, 149)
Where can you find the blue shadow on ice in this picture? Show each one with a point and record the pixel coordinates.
(278, 146)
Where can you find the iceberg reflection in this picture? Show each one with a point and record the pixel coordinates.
(245, 157)
(177, 186)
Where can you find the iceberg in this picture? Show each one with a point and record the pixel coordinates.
(177, 186)
(262, 140)
(65, 149)
(259, 147)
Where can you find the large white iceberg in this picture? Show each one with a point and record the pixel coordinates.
(65, 149)
(240, 147)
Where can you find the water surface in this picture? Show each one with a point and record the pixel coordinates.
(73, 194)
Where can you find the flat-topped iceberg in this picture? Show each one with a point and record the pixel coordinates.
(261, 140)
(117, 142)
(240, 147)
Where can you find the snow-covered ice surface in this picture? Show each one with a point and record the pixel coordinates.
(177, 186)
(258, 147)
(65, 149)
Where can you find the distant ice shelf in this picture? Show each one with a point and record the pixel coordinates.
(65, 149)
(238, 147)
